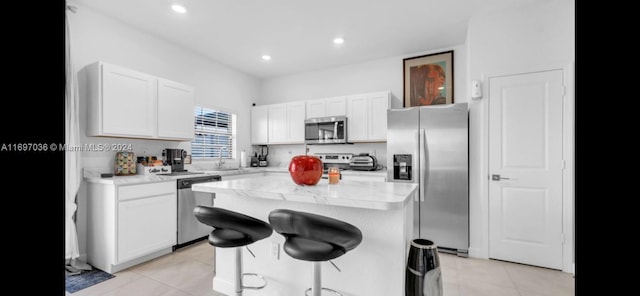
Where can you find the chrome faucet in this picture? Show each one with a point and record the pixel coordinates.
(220, 161)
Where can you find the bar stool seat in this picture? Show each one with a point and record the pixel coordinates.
(315, 238)
(312, 250)
(234, 230)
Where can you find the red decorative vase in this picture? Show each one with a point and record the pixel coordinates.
(305, 169)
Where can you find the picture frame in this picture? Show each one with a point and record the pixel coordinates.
(428, 79)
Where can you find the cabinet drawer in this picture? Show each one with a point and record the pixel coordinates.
(142, 190)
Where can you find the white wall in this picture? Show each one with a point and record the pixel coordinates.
(280, 155)
(96, 37)
(511, 41)
(377, 75)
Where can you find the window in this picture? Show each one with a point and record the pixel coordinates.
(214, 134)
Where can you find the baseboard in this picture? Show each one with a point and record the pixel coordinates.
(478, 253)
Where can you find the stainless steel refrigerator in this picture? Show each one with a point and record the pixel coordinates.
(429, 146)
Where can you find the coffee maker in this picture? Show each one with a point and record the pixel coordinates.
(174, 158)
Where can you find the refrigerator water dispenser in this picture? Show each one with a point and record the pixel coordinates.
(402, 167)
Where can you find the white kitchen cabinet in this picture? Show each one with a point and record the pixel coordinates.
(259, 125)
(277, 123)
(175, 110)
(285, 123)
(125, 103)
(130, 224)
(146, 225)
(378, 105)
(367, 117)
(334, 106)
(295, 122)
(357, 118)
(316, 108)
(121, 102)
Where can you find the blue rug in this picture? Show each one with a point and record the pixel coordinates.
(75, 283)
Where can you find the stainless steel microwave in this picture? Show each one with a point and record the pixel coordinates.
(326, 130)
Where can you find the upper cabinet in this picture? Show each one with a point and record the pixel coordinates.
(283, 123)
(126, 103)
(334, 106)
(295, 122)
(278, 123)
(259, 125)
(175, 110)
(367, 117)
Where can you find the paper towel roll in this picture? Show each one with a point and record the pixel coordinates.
(243, 159)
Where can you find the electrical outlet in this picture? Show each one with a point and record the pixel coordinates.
(275, 250)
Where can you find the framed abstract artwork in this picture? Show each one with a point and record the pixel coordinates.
(428, 79)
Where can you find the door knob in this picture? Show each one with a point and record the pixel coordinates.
(498, 178)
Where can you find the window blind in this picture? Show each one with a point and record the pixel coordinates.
(213, 134)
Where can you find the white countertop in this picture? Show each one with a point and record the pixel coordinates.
(358, 194)
(93, 176)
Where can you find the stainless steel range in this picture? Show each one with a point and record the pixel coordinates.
(339, 160)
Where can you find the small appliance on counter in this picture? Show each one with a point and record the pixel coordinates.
(175, 159)
(364, 162)
(254, 160)
(262, 158)
(125, 164)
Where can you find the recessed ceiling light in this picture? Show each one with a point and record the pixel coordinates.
(178, 8)
(266, 57)
(338, 41)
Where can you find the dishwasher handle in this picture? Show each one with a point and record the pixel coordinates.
(186, 183)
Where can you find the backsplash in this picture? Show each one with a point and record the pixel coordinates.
(103, 161)
(280, 155)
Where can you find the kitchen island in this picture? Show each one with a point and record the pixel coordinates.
(383, 211)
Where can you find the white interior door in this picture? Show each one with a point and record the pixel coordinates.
(525, 167)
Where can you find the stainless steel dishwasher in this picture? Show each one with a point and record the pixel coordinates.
(190, 230)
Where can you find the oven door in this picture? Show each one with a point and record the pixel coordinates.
(326, 130)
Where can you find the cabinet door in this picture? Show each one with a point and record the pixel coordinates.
(175, 110)
(316, 108)
(295, 122)
(259, 125)
(378, 105)
(336, 106)
(357, 118)
(146, 225)
(277, 123)
(128, 106)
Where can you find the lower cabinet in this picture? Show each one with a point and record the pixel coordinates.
(142, 229)
(130, 224)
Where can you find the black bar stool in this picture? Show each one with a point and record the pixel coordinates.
(315, 238)
(234, 230)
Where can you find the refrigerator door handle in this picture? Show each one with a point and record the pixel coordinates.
(423, 162)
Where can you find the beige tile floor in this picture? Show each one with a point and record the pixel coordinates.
(189, 271)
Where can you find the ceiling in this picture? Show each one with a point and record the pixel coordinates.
(298, 34)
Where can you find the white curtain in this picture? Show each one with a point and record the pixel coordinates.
(72, 159)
